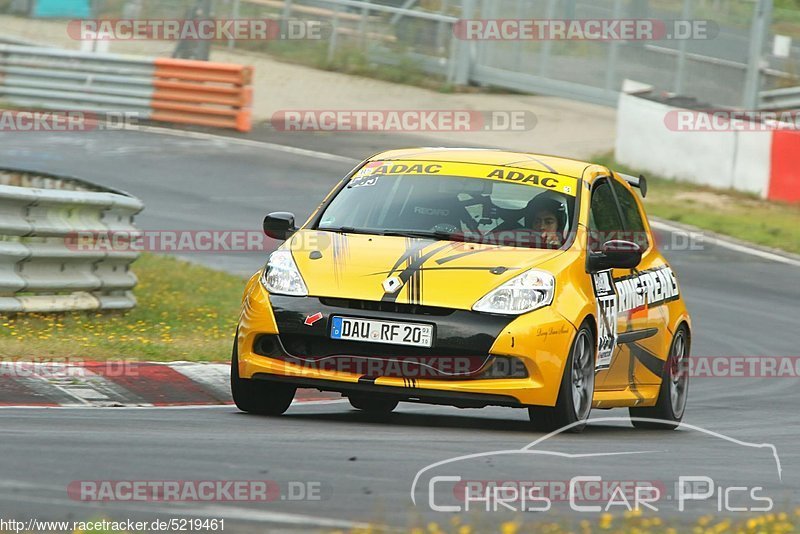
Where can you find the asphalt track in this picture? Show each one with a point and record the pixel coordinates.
(742, 305)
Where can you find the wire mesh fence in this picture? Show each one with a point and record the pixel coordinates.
(747, 46)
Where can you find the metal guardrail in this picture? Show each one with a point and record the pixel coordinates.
(42, 268)
(4, 39)
(159, 89)
(776, 99)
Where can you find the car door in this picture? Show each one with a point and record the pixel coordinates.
(653, 284)
(605, 224)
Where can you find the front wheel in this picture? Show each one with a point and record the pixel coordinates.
(672, 396)
(261, 398)
(576, 392)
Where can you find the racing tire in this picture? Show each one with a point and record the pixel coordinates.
(373, 405)
(671, 403)
(575, 395)
(256, 397)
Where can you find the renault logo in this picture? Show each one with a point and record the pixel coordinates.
(392, 285)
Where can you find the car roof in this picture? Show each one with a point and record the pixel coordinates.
(539, 162)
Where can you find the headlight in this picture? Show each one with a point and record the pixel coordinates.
(531, 290)
(282, 277)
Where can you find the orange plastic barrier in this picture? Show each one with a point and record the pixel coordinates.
(203, 93)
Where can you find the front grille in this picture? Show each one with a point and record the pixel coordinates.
(385, 307)
(320, 347)
(386, 360)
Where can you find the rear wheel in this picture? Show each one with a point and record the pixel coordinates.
(253, 396)
(576, 392)
(373, 404)
(671, 403)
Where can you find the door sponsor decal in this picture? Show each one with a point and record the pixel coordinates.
(614, 297)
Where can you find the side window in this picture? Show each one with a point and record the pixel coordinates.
(634, 225)
(604, 221)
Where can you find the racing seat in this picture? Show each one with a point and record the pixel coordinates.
(423, 210)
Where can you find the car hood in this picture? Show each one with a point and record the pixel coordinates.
(429, 272)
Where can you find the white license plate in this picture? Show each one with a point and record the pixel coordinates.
(392, 332)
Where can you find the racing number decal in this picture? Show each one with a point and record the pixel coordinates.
(363, 181)
(605, 291)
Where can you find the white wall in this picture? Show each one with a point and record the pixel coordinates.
(721, 159)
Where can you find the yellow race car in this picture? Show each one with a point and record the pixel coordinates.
(469, 278)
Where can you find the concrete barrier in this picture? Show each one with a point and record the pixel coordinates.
(725, 149)
(649, 141)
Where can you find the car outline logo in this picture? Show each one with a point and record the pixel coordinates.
(392, 285)
(532, 448)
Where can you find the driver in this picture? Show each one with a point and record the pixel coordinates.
(548, 218)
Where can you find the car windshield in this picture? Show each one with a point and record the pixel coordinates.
(457, 208)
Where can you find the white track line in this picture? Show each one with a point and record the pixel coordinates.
(130, 407)
(729, 243)
(138, 407)
(217, 512)
(319, 402)
(264, 516)
(244, 142)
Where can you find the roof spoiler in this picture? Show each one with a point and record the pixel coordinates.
(640, 182)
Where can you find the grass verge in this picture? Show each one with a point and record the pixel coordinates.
(634, 521)
(739, 215)
(185, 312)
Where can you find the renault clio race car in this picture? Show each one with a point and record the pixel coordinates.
(469, 278)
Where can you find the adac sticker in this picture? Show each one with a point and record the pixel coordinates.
(400, 167)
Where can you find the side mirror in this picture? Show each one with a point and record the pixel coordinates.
(279, 225)
(616, 254)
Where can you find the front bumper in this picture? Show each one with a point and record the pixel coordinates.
(476, 360)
